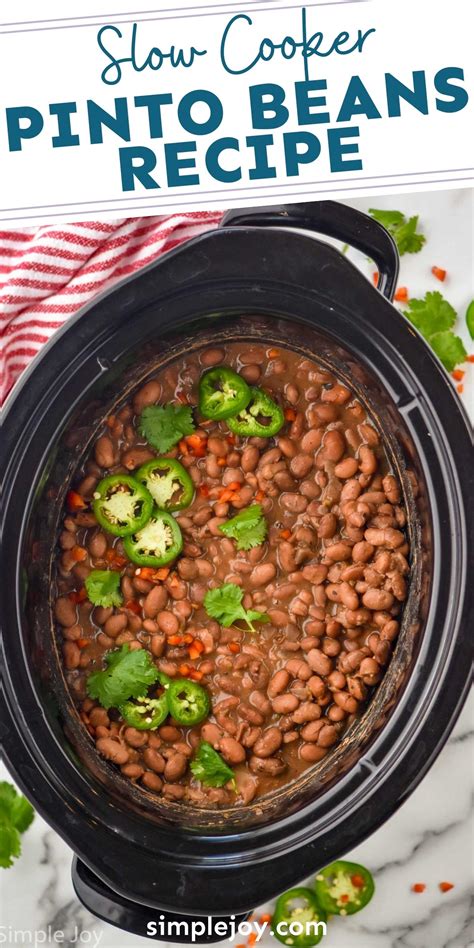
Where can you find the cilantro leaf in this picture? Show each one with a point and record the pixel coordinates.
(403, 231)
(434, 317)
(128, 675)
(449, 349)
(248, 528)
(164, 425)
(225, 605)
(431, 314)
(210, 768)
(103, 587)
(16, 815)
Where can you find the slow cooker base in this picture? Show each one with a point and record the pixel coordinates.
(154, 923)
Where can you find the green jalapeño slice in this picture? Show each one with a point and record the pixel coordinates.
(344, 888)
(145, 714)
(222, 393)
(157, 543)
(188, 701)
(297, 918)
(262, 417)
(168, 483)
(121, 504)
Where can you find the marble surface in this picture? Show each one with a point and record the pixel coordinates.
(429, 840)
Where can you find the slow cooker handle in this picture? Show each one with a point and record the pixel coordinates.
(333, 220)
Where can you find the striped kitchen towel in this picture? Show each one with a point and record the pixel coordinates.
(47, 274)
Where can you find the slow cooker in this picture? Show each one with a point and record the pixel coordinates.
(262, 275)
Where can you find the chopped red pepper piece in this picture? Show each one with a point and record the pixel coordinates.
(203, 490)
(285, 534)
(401, 296)
(458, 375)
(375, 278)
(78, 554)
(74, 501)
(418, 887)
(290, 414)
(79, 595)
(133, 606)
(446, 886)
(470, 358)
(357, 882)
(439, 273)
(81, 643)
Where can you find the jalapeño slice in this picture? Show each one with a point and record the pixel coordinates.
(121, 504)
(262, 417)
(168, 483)
(145, 714)
(157, 543)
(188, 701)
(222, 393)
(344, 888)
(296, 918)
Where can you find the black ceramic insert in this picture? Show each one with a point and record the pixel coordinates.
(259, 273)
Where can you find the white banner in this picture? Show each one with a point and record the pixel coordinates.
(195, 105)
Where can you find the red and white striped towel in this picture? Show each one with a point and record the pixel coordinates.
(46, 275)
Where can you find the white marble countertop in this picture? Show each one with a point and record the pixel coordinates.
(428, 840)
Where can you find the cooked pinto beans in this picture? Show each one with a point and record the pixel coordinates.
(330, 572)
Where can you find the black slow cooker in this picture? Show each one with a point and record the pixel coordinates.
(261, 275)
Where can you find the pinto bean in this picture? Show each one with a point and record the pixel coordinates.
(112, 750)
(301, 465)
(136, 456)
(384, 537)
(168, 622)
(278, 683)
(154, 760)
(212, 734)
(311, 730)
(104, 452)
(287, 557)
(65, 611)
(378, 599)
(307, 711)
(115, 625)
(315, 573)
(338, 551)
(217, 446)
(345, 701)
(391, 489)
(232, 751)
(319, 662)
(71, 655)
(346, 468)
(268, 743)
(152, 781)
(149, 394)
(312, 753)
(251, 373)
(211, 357)
(327, 736)
(285, 704)
(367, 460)
(333, 446)
(295, 503)
(311, 440)
(155, 601)
(135, 738)
(175, 768)
(272, 766)
(262, 574)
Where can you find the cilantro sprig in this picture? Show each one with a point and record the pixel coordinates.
(403, 230)
(103, 587)
(434, 317)
(16, 815)
(128, 675)
(225, 605)
(210, 768)
(164, 425)
(248, 528)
